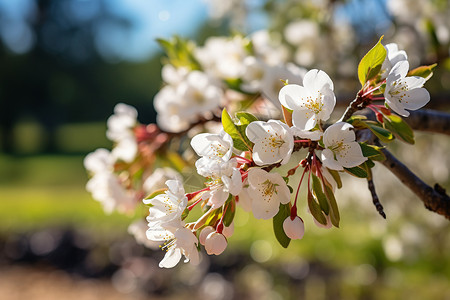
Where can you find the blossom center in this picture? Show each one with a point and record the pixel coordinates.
(399, 90)
(268, 188)
(315, 103)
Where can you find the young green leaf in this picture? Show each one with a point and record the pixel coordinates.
(230, 210)
(336, 177)
(245, 118)
(423, 71)
(283, 213)
(316, 210)
(237, 132)
(334, 210)
(357, 172)
(372, 152)
(156, 193)
(399, 128)
(317, 189)
(370, 64)
(380, 132)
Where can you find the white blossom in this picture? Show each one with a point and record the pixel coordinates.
(181, 242)
(120, 130)
(294, 229)
(222, 187)
(267, 191)
(393, 56)
(273, 140)
(272, 83)
(403, 92)
(138, 230)
(104, 185)
(167, 208)
(312, 102)
(215, 243)
(228, 230)
(182, 104)
(213, 146)
(341, 151)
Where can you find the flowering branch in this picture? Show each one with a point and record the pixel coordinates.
(434, 199)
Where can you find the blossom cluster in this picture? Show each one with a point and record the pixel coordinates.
(239, 160)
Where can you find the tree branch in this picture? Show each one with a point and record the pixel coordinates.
(429, 120)
(375, 199)
(434, 199)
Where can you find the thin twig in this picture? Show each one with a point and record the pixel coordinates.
(434, 199)
(375, 199)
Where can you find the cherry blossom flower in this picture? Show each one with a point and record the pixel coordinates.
(181, 242)
(215, 243)
(120, 130)
(311, 103)
(393, 56)
(222, 187)
(104, 185)
(168, 207)
(213, 145)
(403, 92)
(273, 140)
(341, 151)
(294, 229)
(267, 191)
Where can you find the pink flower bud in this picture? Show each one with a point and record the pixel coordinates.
(204, 234)
(215, 243)
(294, 229)
(228, 231)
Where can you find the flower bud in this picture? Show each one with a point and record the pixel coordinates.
(294, 229)
(204, 234)
(215, 243)
(228, 231)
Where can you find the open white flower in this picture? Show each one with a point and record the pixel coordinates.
(178, 242)
(213, 145)
(222, 187)
(157, 180)
(267, 190)
(120, 130)
(393, 56)
(341, 151)
(168, 207)
(294, 229)
(273, 140)
(312, 102)
(403, 92)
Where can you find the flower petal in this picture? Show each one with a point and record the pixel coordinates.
(329, 161)
(290, 96)
(304, 119)
(352, 156)
(416, 98)
(171, 258)
(317, 80)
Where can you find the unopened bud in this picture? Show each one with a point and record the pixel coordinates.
(228, 231)
(215, 243)
(204, 234)
(380, 118)
(294, 229)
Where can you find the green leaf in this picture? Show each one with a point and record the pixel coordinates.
(316, 210)
(336, 177)
(357, 172)
(317, 189)
(230, 210)
(185, 213)
(370, 64)
(399, 128)
(156, 193)
(237, 132)
(423, 71)
(213, 217)
(245, 118)
(283, 213)
(334, 210)
(372, 152)
(381, 133)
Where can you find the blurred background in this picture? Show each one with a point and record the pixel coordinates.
(66, 63)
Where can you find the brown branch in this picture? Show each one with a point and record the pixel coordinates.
(429, 120)
(434, 199)
(375, 199)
